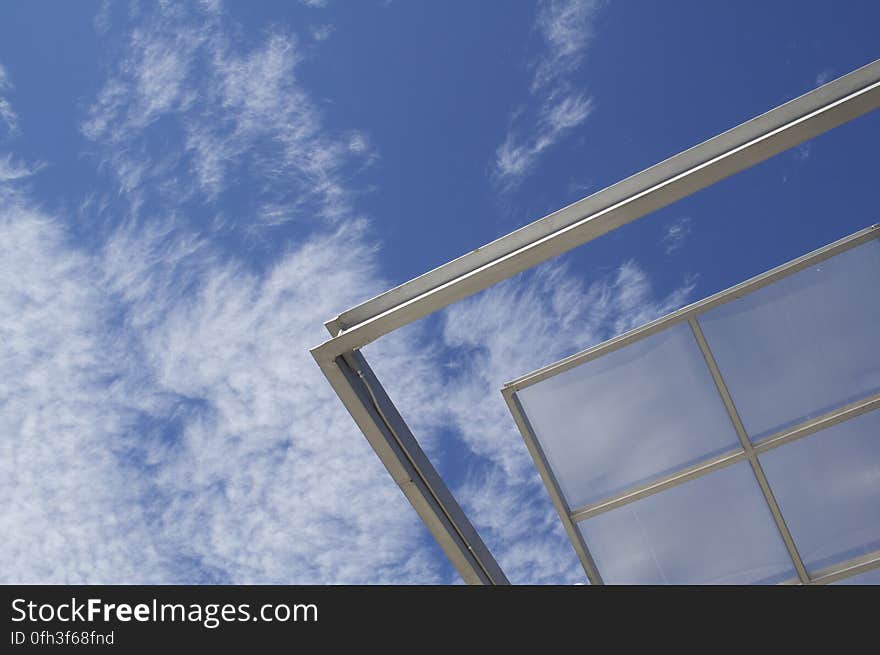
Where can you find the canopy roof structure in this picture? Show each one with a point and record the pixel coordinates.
(645, 441)
(730, 399)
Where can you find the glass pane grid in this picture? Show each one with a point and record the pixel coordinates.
(761, 447)
(715, 529)
(669, 417)
(835, 475)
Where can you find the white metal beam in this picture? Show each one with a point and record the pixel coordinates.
(847, 569)
(397, 448)
(743, 146)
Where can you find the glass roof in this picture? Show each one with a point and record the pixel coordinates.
(803, 345)
(828, 487)
(661, 382)
(679, 536)
(734, 441)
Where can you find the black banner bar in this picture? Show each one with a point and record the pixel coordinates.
(133, 618)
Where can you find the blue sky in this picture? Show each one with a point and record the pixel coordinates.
(187, 191)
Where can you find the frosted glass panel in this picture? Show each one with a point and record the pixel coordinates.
(828, 488)
(716, 529)
(803, 345)
(627, 417)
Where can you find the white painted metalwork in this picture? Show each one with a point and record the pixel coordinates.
(743, 146)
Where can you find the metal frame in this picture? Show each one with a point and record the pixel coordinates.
(748, 450)
(788, 125)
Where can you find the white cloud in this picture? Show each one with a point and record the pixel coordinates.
(162, 419)
(224, 99)
(566, 27)
(555, 107)
(803, 152)
(676, 233)
(824, 76)
(284, 484)
(71, 512)
(7, 115)
(322, 32)
(12, 169)
(169, 424)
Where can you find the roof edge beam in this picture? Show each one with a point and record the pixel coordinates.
(743, 146)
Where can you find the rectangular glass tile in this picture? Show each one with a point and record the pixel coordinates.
(802, 345)
(716, 529)
(828, 488)
(627, 417)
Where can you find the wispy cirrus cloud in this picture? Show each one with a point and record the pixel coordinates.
(162, 419)
(566, 28)
(248, 129)
(555, 105)
(14, 169)
(8, 118)
(71, 513)
(163, 422)
(676, 233)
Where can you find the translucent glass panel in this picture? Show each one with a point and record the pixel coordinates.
(800, 347)
(828, 488)
(803, 345)
(627, 417)
(715, 529)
